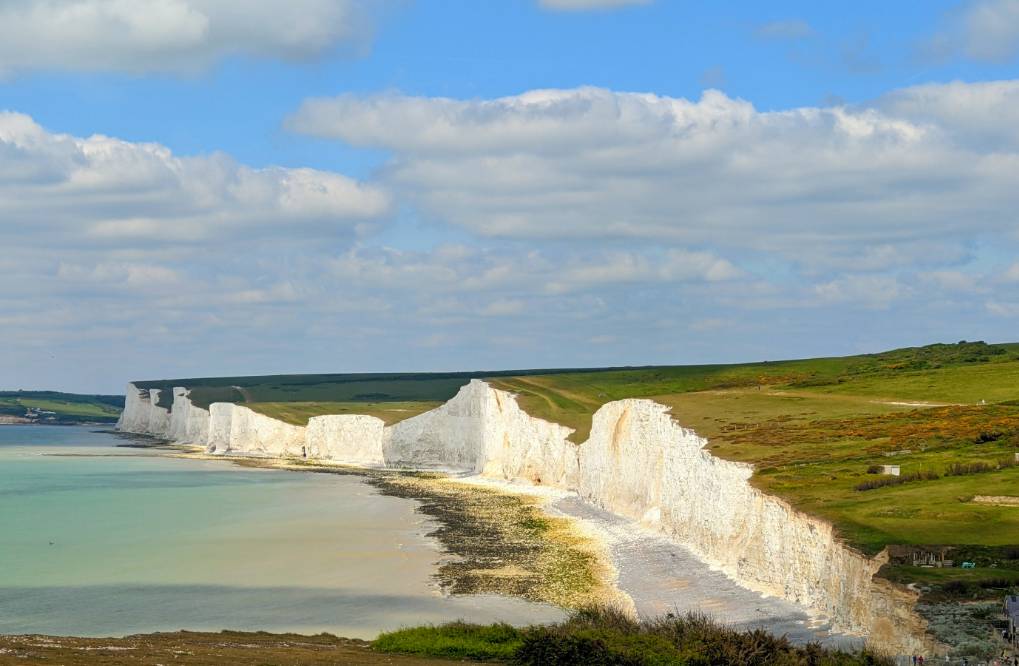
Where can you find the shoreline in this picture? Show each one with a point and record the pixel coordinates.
(638, 570)
(492, 540)
(545, 545)
(657, 576)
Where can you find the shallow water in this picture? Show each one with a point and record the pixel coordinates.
(99, 540)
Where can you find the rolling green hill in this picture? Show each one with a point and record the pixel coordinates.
(55, 407)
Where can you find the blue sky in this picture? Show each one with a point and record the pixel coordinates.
(190, 187)
(468, 49)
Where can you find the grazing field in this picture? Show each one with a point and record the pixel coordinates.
(54, 407)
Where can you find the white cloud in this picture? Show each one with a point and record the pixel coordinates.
(503, 307)
(120, 275)
(991, 30)
(106, 191)
(986, 30)
(872, 291)
(455, 269)
(630, 267)
(983, 116)
(587, 5)
(953, 281)
(1003, 308)
(169, 35)
(592, 163)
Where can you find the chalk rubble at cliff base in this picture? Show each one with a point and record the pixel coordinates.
(638, 463)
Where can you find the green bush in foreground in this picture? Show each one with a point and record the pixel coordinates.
(456, 640)
(605, 637)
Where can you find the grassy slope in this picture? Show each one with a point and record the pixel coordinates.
(813, 427)
(69, 407)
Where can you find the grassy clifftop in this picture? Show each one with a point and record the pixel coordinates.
(54, 407)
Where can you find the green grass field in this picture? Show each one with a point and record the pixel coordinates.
(65, 407)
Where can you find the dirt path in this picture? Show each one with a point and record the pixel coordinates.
(194, 648)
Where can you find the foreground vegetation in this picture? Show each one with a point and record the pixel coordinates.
(589, 638)
(55, 407)
(604, 637)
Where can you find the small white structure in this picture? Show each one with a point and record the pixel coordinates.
(892, 470)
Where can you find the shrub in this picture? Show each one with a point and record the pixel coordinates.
(456, 640)
(874, 469)
(896, 480)
(962, 469)
(605, 637)
(608, 637)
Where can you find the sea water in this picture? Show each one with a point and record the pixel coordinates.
(101, 540)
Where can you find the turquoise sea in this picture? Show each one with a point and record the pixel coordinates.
(101, 540)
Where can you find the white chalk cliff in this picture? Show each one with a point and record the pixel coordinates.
(637, 463)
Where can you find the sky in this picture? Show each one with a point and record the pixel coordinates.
(224, 187)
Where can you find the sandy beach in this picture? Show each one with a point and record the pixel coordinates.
(655, 575)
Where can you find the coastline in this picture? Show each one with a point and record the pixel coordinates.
(497, 540)
(635, 568)
(637, 463)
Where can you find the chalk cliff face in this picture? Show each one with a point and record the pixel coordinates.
(142, 415)
(159, 417)
(135, 417)
(484, 431)
(220, 424)
(237, 429)
(350, 439)
(188, 422)
(638, 463)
